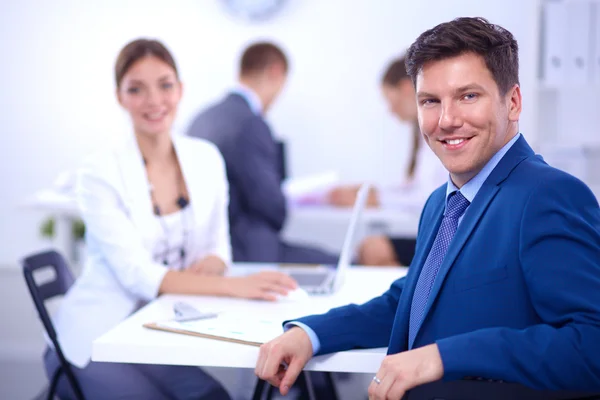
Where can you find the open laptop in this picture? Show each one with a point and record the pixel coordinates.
(327, 279)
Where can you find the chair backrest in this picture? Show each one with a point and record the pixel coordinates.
(62, 281)
(476, 389)
(282, 159)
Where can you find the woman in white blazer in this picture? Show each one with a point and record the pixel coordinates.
(423, 175)
(155, 211)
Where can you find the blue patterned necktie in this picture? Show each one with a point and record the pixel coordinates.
(457, 204)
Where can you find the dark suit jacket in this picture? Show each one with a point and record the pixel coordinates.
(257, 205)
(517, 297)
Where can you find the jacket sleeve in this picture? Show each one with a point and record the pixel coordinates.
(256, 171)
(357, 326)
(111, 233)
(560, 257)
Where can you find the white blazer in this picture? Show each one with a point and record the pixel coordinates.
(120, 274)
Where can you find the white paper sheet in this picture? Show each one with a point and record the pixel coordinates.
(231, 326)
(299, 188)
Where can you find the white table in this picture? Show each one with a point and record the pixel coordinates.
(130, 342)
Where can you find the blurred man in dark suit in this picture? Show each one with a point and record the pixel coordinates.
(258, 207)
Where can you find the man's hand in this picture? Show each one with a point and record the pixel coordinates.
(209, 265)
(292, 348)
(404, 371)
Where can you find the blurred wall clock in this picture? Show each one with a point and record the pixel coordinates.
(254, 10)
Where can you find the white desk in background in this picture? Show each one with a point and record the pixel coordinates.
(130, 342)
(53, 202)
(326, 226)
(63, 208)
(316, 225)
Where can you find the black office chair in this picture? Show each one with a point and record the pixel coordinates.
(282, 159)
(308, 391)
(489, 390)
(40, 293)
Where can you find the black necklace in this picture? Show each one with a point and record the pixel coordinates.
(182, 202)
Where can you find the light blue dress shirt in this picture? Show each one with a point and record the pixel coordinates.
(469, 190)
(250, 96)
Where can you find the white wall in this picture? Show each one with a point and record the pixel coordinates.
(57, 98)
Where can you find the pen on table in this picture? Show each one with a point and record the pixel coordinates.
(186, 312)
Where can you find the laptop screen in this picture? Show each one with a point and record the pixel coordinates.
(346, 254)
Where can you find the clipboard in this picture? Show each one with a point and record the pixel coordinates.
(158, 327)
(230, 328)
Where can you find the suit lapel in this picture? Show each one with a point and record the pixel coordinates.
(136, 188)
(430, 226)
(188, 162)
(470, 219)
(429, 237)
(203, 185)
(191, 166)
(516, 154)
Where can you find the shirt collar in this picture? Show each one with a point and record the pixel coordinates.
(470, 189)
(250, 96)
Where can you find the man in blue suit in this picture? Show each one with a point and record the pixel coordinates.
(253, 159)
(505, 282)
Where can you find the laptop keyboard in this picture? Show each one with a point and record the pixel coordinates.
(309, 279)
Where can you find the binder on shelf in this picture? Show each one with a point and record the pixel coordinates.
(555, 43)
(580, 160)
(579, 38)
(595, 57)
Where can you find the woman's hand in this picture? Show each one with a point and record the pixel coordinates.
(209, 265)
(345, 196)
(262, 286)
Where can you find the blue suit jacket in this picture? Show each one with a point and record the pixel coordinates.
(257, 205)
(517, 297)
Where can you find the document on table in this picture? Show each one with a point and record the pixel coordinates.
(297, 189)
(229, 327)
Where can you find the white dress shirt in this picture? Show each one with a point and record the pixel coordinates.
(124, 266)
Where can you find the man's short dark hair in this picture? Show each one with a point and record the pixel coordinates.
(259, 56)
(494, 44)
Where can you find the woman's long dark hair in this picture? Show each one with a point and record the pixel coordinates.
(394, 74)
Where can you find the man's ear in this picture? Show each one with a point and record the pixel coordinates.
(515, 103)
